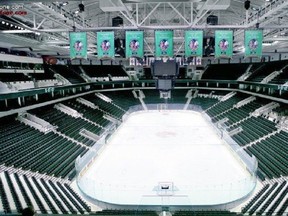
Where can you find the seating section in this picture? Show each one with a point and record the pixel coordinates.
(29, 149)
(77, 197)
(104, 70)
(281, 78)
(152, 96)
(67, 73)
(224, 71)
(265, 69)
(45, 196)
(68, 125)
(47, 75)
(282, 209)
(204, 213)
(255, 198)
(54, 153)
(125, 212)
(253, 129)
(272, 154)
(147, 73)
(13, 77)
(94, 115)
(282, 110)
(224, 105)
(178, 96)
(204, 102)
(124, 99)
(13, 192)
(4, 199)
(270, 200)
(76, 69)
(105, 106)
(237, 114)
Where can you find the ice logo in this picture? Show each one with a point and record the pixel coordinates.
(253, 44)
(134, 45)
(105, 45)
(223, 44)
(164, 44)
(78, 45)
(194, 44)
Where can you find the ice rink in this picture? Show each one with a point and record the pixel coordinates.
(178, 147)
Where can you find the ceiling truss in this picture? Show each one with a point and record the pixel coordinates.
(53, 20)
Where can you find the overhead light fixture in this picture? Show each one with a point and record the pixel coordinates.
(3, 22)
(64, 3)
(77, 11)
(247, 4)
(81, 7)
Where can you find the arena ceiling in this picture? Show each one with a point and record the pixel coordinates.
(49, 22)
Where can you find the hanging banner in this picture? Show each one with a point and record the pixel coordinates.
(105, 45)
(164, 43)
(78, 45)
(193, 43)
(224, 44)
(134, 44)
(253, 43)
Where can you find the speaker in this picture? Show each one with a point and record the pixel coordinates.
(117, 21)
(247, 4)
(212, 20)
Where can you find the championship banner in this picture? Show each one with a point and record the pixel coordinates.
(224, 44)
(134, 44)
(164, 43)
(253, 43)
(105, 45)
(193, 43)
(78, 45)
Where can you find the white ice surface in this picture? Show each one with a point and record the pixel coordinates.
(179, 147)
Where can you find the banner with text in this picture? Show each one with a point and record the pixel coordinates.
(193, 43)
(253, 43)
(223, 44)
(164, 43)
(105, 45)
(78, 45)
(134, 44)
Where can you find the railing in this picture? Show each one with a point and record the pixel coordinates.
(138, 84)
(183, 195)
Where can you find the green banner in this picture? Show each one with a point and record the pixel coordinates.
(78, 45)
(134, 44)
(193, 43)
(105, 45)
(164, 43)
(253, 43)
(224, 44)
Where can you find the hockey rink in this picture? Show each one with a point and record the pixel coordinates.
(166, 158)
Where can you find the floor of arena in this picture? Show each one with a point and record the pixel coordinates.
(166, 158)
